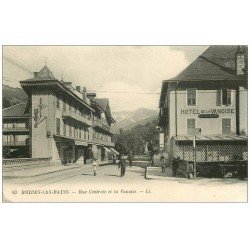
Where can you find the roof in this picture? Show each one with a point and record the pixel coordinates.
(43, 75)
(18, 110)
(103, 103)
(215, 63)
(215, 137)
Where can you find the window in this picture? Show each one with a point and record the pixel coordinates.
(70, 105)
(57, 102)
(70, 130)
(191, 97)
(190, 125)
(223, 97)
(80, 132)
(64, 104)
(64, 129)
(226, 126)
(57, 126)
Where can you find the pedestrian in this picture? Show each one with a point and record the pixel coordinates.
(175, 165)
(122, 165)
(95, 164)
(163, 163)
(130, 158)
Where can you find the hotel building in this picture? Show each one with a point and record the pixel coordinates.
(64, 124)
(207, 100)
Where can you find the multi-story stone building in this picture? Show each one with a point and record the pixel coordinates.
(62, 121)
(209, 100)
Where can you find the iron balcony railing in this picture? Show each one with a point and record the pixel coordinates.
(103, 126)
(16, 129)
(103, 142)
(69, 114)
(15, 143)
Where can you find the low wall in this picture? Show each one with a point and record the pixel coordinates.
(19, 162)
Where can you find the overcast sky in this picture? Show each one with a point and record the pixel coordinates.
(136, 69)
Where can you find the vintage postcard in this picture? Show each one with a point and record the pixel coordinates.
(125, 123)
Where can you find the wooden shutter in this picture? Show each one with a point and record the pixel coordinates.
(218, 97)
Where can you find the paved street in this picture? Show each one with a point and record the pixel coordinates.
(79, 184)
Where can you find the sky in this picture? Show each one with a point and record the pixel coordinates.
(107, 70)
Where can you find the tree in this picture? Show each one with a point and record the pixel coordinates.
(6, 103)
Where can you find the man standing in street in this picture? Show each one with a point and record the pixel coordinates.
(130, 158)
(122, 165)
(175, 165)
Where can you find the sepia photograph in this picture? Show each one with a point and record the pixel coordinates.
(125, 123)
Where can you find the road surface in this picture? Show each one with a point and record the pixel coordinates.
(80, 185)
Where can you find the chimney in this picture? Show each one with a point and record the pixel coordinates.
(240, 61)
(84, 93)
(78, 88)
(91, 96)
(36, 74)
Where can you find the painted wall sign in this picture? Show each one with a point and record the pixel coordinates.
(206, 111)
(208, 116)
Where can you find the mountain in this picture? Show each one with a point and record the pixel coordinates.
(12, 96)
(128, 119)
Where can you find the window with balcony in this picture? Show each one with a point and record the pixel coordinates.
(64, 104)
(70, 130)
(226, 126)
(57, 126)
(64, 129)
(57, 102)
(191, 97)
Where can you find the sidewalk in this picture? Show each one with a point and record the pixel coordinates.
(32, 171)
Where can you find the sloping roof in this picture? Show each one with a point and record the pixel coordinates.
(215, 63)
(43, 75)
(18, 110)
(103, 103)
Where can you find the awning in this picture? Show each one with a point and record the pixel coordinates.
(108, 150)
(219, 137)
(114, 151)
(81, 143)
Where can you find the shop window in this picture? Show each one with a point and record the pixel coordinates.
(191, 97)
(226, 126)
(57, 126)
(223, 97)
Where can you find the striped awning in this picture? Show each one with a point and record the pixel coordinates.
(114, 151)
(108, 150)
(217, 137)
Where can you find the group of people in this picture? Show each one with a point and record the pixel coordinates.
(175, 164)
(121, 165)
(123, 159)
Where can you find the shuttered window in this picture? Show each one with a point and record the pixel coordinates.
(191, 97)
(190, 123)
(57, 126)
(226, 96)
(218, 97)
(226, 126)
(64, 129)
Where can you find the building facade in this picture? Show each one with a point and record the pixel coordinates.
(16, 132)
(206, 104)
(61, 121)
